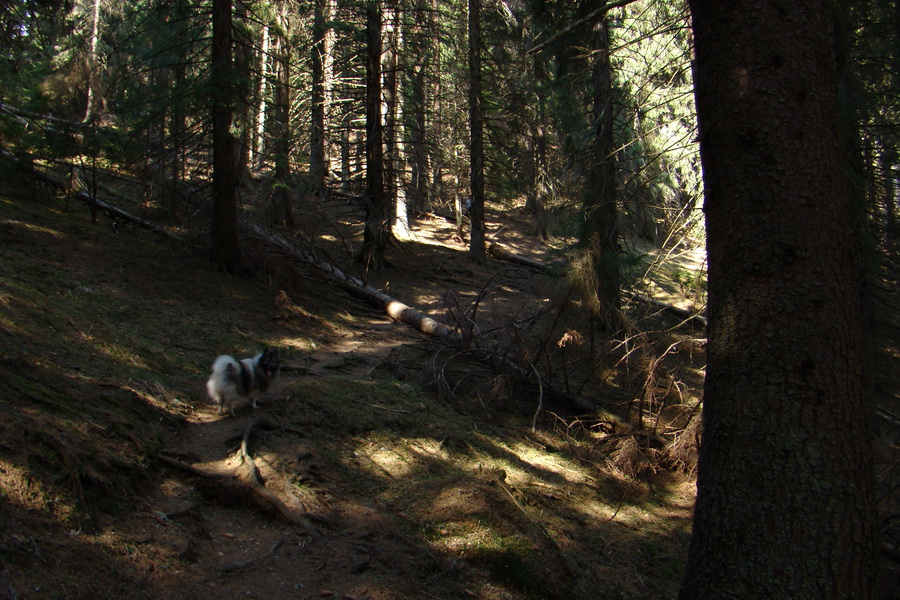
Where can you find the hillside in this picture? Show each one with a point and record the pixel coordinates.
(409, 470)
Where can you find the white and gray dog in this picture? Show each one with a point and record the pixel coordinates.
(248, 378)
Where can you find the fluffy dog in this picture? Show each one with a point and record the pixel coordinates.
(248, 378)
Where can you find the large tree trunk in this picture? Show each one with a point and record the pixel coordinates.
(377, 208)
(393, 138)
(259, 131)
(785, 487)
(418, 120)
(892, 206)
(476, 139)
(241, 81)
(600, 233)
(224, 220)
(317, 154)
(280, 207)
(178, 126)
(93, 64)
(889, 226)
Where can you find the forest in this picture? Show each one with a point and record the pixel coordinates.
(572, 299)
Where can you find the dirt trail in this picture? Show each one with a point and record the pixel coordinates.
(105, 343)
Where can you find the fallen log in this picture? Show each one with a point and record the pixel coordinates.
(682, 313)
(499, 252)
(393, 308)
(409, 316)
(404, 314)
(94, 203)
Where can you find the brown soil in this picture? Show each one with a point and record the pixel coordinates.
(105, 344)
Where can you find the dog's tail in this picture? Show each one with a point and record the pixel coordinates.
(224, 365)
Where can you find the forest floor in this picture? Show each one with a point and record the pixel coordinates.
(401, 468)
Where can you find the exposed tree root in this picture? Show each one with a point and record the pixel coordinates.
(252, 479)
(247, 476)
(243, 564)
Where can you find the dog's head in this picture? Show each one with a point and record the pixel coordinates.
(268, 362)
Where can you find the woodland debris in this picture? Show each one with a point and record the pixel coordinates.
(393, 308)
(499, 252)
(243, 564)
(95, 203)
(425, 324)
(682, 313)
(247, 476)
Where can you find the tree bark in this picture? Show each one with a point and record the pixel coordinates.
(242, 88)
(226, 251)
(418, 120)
(317, 152)
(393, 124)
(377, 225)
(93, 64)
(259, 132)
(476, 138)
(280, 208)
(600, 212)
(785, 484)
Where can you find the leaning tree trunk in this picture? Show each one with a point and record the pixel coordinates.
(785, 484)
(476, 138)
(224, 219)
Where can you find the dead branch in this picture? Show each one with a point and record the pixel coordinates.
(678, 312)
(499, 252)
(243, 564)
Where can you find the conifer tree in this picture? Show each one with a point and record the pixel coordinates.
(785, 485)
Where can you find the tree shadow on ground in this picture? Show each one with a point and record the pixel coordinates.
(105, 344)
